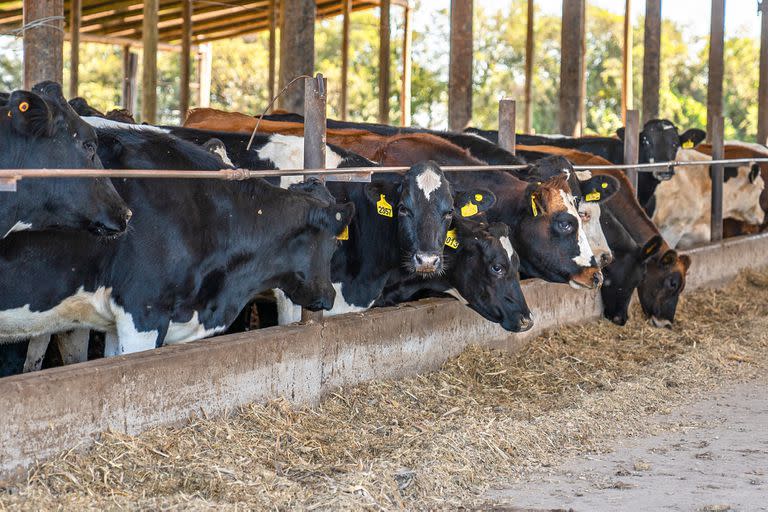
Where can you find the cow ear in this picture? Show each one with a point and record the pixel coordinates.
(333, 218)
(692, 137)
(534, 205)
(650, 248)
(218, 148)
(686, 260)
(30, 114)
(598, 188)
(754, 172)
(383, 196)
(472, 202)
(620, 133)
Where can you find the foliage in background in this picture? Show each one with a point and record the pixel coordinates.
(240, 71)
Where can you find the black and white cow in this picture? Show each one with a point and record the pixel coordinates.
(482, 271)
(39, 130)
(197, 252)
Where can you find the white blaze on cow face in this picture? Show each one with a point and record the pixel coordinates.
(19, 226)
(507, 245)
(589, 212)
(585, 256)
(428, 181)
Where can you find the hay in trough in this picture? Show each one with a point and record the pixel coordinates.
(434, 441)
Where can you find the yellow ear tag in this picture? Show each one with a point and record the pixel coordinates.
(533, 207)
(451, 240)
(383, 207)
(604, 185)
(479, 198)
(688, 144)
(23, 106)
(344, 235)
(469, 209)
(592, 196)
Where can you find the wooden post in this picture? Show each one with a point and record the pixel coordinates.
(314, 144)
(631, 145)
(717, 174)
(343, 102)
(405, 86)
(43, 42)
(297, 49)
(149, 62)
(651, 60)
(571, 67)
(130, 85)
(75, 11)
(272, 47)
(626, 62)
(507, 124)
(186, 70)
(460, 71)
(528, 92)
(384, 61)
(204, 74)
(762, 108)
(715, 80)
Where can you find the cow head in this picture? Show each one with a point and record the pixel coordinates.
(660, 140)
(38, 129)
(422, 205)
(742, 192)
(593, 190)
(484, 270)
(309, 250)
(549, 233)
(626, 270)
(662, 285)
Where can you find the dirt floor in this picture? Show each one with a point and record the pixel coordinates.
(583, 417)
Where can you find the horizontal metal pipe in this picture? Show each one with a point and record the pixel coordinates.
(243, 174)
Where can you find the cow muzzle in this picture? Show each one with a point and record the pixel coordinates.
(426, 262)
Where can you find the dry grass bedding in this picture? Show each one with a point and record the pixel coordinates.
(434, 441)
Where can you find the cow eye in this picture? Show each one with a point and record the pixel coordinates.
(402, 210)
(564, 226)
(497, 269)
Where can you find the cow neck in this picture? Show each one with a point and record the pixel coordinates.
(629, 213)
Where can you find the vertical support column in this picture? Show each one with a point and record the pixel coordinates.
(716, 135)
(204, 74)
(715, 81)
(43, 42)
(631, 145)
(626, 62)
(272, 47)
(75, 12)
(405, 86)
(762, 94)
(297, 49)
(571, 67)
(651, 60)
(507, 124)
(186, 65)
(343, 101)
(460, 72)
(314, 144)
(528, 92)
(149, 62)
(384, 63)
(130, 85)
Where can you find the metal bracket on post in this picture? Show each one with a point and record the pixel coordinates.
(507, 124)
(717, 174)
(8, 184)
(632, 145)
(314, 146)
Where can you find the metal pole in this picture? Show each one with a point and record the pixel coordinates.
(75, 11)
(43, 42)
(715, 80)
(626, 62)
(529, 49)
(651, 59)
(405, 88)
(717, 175)
(762, 94)
(631, 145)
(314, 144)
(507, 124)
(149, 62)
(384, 61)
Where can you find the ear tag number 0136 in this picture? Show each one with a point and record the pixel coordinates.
(451, 240)
(383, 207)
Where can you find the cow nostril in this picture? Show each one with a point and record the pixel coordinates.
(605, 259)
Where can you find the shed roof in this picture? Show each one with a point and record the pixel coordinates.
(119, 21)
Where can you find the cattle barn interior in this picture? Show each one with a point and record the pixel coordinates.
(320, 359)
